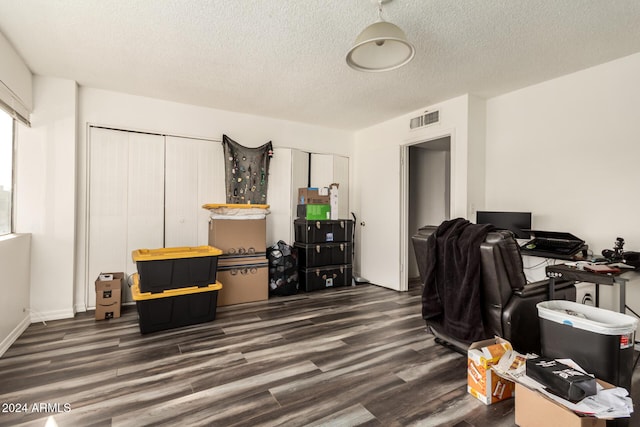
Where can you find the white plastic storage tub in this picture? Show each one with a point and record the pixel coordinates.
(600, 341)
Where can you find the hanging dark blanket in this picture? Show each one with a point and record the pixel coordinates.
(452, 288)
(246, 172)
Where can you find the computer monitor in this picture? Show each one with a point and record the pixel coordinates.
(516, 222)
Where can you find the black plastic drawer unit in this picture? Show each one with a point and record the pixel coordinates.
(322, 254)
(325, 231)
(314, 279)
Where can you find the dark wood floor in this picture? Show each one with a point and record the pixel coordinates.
(341, 357)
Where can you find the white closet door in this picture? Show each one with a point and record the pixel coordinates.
(279, 196)
(126, 198)
(299, 179)
(321, 170)
(211, 188)
(145, 194)
(377, 240)
(327, 169)
(108, 162)
(194, 176)
(341, 176)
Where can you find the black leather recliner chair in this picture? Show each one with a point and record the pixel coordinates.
(508, 301)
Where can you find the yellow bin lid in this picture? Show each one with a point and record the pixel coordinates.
(174, 253)
(233, 206)
(137, 296)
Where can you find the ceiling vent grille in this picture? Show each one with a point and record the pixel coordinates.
(427, 119)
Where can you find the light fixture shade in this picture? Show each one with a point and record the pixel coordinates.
(382, 46)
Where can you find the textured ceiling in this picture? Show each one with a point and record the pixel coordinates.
(286, 58)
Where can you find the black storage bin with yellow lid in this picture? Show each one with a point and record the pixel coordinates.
(175, 308)
(172, 268)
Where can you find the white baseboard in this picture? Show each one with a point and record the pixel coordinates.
(15, 334)
(45, 316)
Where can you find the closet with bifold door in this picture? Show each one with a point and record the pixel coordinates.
(145, 191)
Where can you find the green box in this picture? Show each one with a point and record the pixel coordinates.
(315, 212)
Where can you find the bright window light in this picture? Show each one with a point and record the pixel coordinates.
(6, 171)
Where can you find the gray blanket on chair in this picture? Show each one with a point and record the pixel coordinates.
(452, 294)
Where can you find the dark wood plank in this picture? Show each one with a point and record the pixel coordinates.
(345, 356)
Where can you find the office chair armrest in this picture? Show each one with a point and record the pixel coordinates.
(540, 287)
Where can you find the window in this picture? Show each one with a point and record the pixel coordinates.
(6, 171)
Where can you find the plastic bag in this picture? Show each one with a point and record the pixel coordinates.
(283, 269)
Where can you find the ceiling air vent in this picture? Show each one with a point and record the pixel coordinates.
(427, 119)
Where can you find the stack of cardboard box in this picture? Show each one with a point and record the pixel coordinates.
(314, 203)
(318, 203)
(243, 267)
(108, 295)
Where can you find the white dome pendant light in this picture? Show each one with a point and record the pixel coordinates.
(382, 46)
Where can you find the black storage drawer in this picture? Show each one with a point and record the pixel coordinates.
(323, 254)
(316, 278)
(310, 231)
(341, 253)
(314, 255)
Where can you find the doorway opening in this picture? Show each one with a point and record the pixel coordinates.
(428, 193)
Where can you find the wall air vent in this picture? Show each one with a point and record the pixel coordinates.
(427, 119)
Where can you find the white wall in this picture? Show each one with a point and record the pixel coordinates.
(15, 80)
(14, 288)
(15, 75)
(46, 193)
(476, 156)
(568, 151)
(124, 111)
(377, 184)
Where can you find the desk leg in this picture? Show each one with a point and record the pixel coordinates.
(597, 294)
(552, 288)
(623, 296)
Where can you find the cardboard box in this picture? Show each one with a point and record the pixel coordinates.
(314, 212)
(243, 280)
(482, 381)
(109, 311)
(533, 409)
(333, 200)
(238, 236)
(313, 196)
(108, 295)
